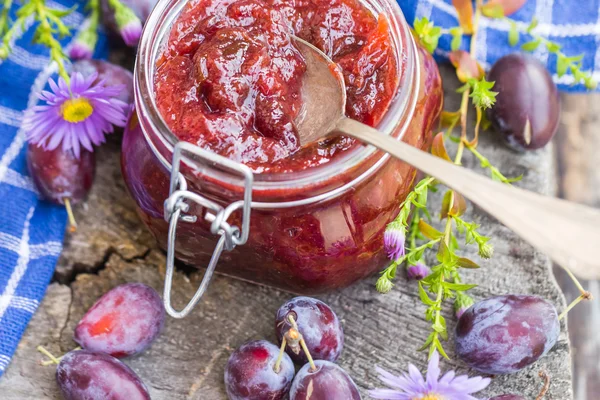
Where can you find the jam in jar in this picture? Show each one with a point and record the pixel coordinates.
(225, 76)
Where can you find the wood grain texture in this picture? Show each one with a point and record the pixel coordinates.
(187, 361)
(577, 152)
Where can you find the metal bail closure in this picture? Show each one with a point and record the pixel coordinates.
(175, 206)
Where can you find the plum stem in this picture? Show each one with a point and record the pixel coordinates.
(544, 390)
(585, 295)
(53, 360)
(72, 222)
(313, 367)
(277, 366)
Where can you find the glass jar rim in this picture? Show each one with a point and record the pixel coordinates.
(154, 36)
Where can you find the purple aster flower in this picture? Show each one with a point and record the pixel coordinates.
(131, 32)
(80, 51)
(393, 240)
(85, 42)
(412, 385)
(418, 271)
(76, 114)
(129, 25)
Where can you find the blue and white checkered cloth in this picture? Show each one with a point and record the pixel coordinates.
(574, 24)
(31, 231)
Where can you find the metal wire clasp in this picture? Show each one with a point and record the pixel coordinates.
(177, 204)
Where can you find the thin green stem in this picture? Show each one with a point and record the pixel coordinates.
(45, 352)
(414, 228)
(313, 367)
(277, 366)
(56, 53)
(575, 280)
(4, 16)
(583, 296)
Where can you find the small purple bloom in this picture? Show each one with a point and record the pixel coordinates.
(418, 271)
(412, 385)
(393, 240)
(76, 114)
(80, 51)
(131, 32)
(462, 303)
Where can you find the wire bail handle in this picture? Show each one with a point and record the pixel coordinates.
(177, 205)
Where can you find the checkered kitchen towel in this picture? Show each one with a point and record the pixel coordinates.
(31, 231)
(574, 24)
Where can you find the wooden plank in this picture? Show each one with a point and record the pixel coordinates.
(577, 150)
(188, 359)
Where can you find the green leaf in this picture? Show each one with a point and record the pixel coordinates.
(440, 349)
(458, 287)
(427, 34)
(445, 255)
(424, 296)
(564, 63)
(457, 34)
(590, 83)
(482, 95)
(448, 118)
(466, 263)
(422, 197)
(437, 327)
(427, 342)
(534, 23)
(61, 13)
(429, 231)
(492, 10)
(444, 333)
(532, 45)
(553, 47)
(459, 205)
(513, 34)
(438, 148)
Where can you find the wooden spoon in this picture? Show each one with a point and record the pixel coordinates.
(569, 233)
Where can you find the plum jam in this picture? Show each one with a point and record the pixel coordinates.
(230, 79)
(226, 76)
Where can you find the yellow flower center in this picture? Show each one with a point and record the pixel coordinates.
(429, 397)
(76, 110)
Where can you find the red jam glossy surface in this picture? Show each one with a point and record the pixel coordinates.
(230, 78)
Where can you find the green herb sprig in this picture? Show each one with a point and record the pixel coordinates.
(445, 283)
(49, 30)
(564, 63)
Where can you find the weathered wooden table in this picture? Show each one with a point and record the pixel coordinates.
(187, 361)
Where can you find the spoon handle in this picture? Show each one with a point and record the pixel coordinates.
(569, 233)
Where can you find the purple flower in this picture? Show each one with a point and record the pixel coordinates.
(131, 32)
(80, 51)
(85, 42)
(418, 271)
(76, 114)
(130, 26)
(413, 386)
(393, 240)
(462, 303)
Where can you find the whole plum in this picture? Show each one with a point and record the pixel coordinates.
(504, 334)
(527, 109)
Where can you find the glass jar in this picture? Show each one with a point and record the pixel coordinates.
(307, 232)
